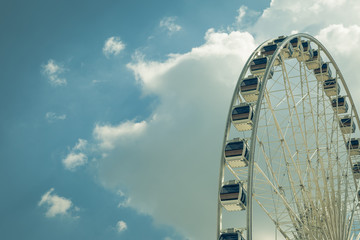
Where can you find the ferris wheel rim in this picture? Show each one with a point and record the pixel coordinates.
(257, 114)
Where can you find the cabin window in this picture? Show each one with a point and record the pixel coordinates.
(305, 46)
(294, 42)
(356, 167)
(324, 68)
(329, 83)
(340, 101)
(315, 53)
(243, 197)
(232, 188)
(240, 110)
(234, 146)
(229, 236)
(279, 40)
(270, 49)
(346, 121)
(248, 82)
(260, 61)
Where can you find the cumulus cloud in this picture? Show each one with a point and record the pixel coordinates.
(310, 16)
(113, 46)
(52, 70)
(55, 204)
(108, 135)
(168, 23)
(342, 40)
(76, 158)
(121, 226)
(158, 159)
(51, 116)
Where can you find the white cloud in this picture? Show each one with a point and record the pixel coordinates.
(121, 226)
(241, 13)
(51, 116)
(340, 39)
(52, 70)
(108, 135)
(125, 200)
(168, 23)
(159, 159)
(113, 46)
(76, 158)
(55, 204)
(310, 16)
(81, 144)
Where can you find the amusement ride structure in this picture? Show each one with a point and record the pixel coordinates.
(291, 146)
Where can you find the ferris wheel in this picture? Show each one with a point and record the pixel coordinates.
(291, 146)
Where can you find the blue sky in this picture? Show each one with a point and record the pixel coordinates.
(113, 111)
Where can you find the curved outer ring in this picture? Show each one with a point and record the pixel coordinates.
(256, 120)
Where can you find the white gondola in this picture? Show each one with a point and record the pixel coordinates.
(323, 73)
(347, 125)
(315, 62)
(353, 146)
(237, 153)
(287, 50)
(249, 88)
(231, 234)
(269, 50)
(340, 105)
(233, 196)
(242, 116)
(295, 43)
(258, 66)
(331, 87)
(356, 170)
(306, 51)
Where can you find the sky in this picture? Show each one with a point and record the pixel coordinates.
(113, 112)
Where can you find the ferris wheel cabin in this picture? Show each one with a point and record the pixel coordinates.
(242, 116)
(287, 50)
(231, 234)
(353, 146)
(340, 105)
(315, 62)
(258, 66)
(331, 87)
(356, 170)
(250, 88)
(295, 43)
(347, 126)
(237, 153)
(269, 50)
(306, 51)
(233, 196)
(323, 73)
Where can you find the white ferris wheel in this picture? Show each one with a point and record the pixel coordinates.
(291, 146)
